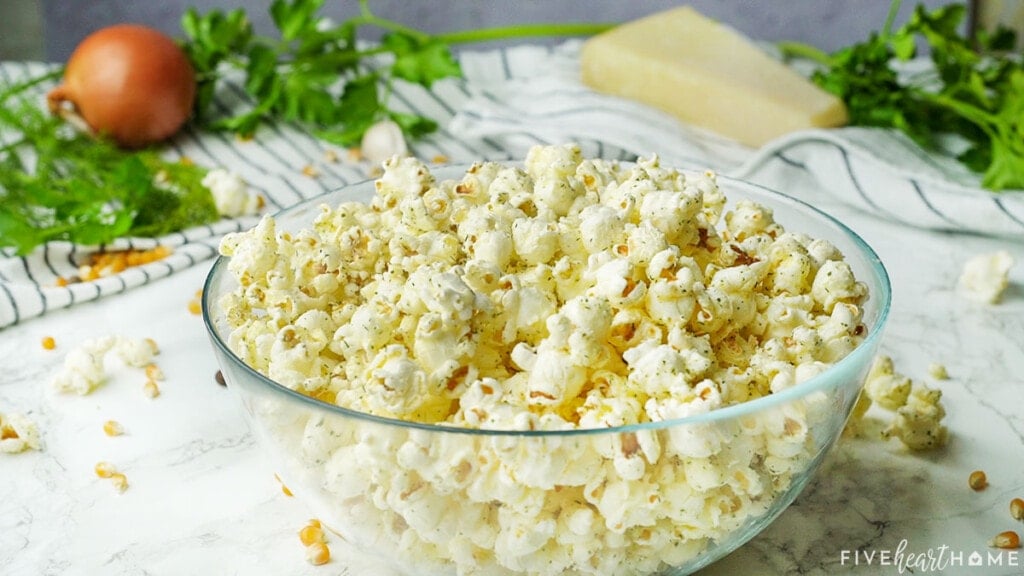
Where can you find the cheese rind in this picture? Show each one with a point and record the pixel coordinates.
(706, 74)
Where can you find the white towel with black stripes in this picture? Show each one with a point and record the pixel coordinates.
(532, 94)
(509, 100)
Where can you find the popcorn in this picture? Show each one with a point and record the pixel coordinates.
(918, 411)
(84, 367)
(570, 293)
(986, 276)
(884, 386)
(17, 433)
(918, 423)
(231, 194)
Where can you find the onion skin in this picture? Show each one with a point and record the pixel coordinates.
(128, 82)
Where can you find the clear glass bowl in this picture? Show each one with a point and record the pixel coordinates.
(441, 500)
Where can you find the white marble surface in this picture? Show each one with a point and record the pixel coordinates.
(203, 501)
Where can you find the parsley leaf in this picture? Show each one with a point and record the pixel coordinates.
(975, 89)
(297, 75)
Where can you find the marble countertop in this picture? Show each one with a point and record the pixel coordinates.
(202, 500)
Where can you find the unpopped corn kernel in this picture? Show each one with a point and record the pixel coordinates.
(120, 481)
(1017, 509)
(1008, 540)
(977, 480)
(153, 372)
(310, 534)
(113, 428)
(151, 389)
(49, 343)
(105, 469)
(284, 489)
(318, 554)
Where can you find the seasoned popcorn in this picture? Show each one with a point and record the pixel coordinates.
(231, 194)
(885, 386)
(84, 367)
(918, 411)
(918, 423)
(568, 293)
(986, 276)
(18, 433)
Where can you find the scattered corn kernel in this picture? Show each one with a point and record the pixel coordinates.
(113, 428)
(1017, 509)
(311, 534)
(977, 480)
(105, 469)
(310, 171)
(330, 156)
(61, 282)
(440, 159)
(1008, 540)
(49, 343)
(195, 307)
(150, 389)
(355, 154)
(120, 481)
(315, 522)
(284, 488)
(318, 554)
(102, 264)
(153, 372)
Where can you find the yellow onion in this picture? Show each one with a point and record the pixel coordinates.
(128, 82)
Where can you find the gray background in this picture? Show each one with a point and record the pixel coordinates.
(50, 29)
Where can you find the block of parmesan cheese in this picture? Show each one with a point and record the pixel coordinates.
(707, 74)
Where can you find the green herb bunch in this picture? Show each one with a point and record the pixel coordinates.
(974, 91)
(294, 77)
(58, 183)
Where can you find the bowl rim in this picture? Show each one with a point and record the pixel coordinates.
(810, 386)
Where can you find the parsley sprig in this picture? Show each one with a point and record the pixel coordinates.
(58, 183)
(319, 74)
(974, 90)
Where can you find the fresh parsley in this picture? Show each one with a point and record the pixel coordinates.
(974, 90)
(318, 74)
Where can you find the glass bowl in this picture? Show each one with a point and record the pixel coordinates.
(432, 499)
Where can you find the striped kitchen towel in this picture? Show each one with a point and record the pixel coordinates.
(509, 100)
(534, 93)
(282, 163)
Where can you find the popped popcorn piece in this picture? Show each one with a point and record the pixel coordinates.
(231, 193)
(986, 276)
(569, 293)
(917, 408)
(918, 423)
(18, 433)
(84, 367)
(885, 386)
(938, 371)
